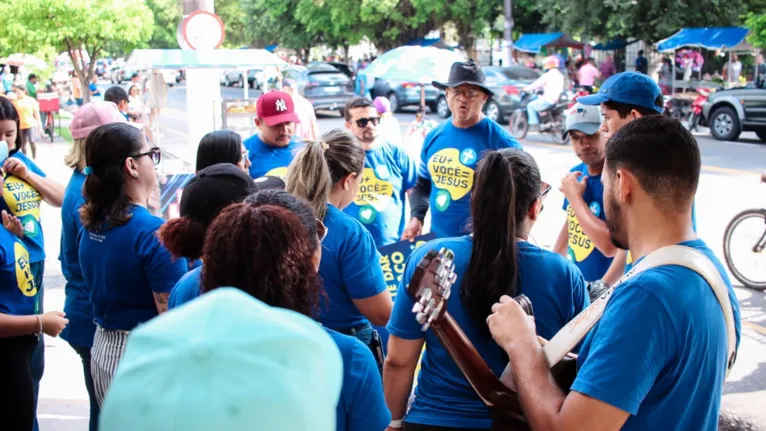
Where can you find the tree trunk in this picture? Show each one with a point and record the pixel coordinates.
(345, 53)
(469, 44)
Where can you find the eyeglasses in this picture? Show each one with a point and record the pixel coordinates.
(321, 230)
(245, 156)
(544, 189)
(469, 94)
(154, 152)
(362, 122)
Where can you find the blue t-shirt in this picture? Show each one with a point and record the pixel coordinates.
(269, 160)
(187, 288)
(18, 290)
(93, 87)
(350, 269)
(361, 406)
(659, 350)
(448, 159)
(23, 201)
(443, 396)
(388, 173)
(123, 266)
(77, 305)
(581, 250)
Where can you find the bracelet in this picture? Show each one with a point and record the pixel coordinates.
(40, 323)
(397, 423)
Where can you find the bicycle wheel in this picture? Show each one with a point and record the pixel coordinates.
(744, 242)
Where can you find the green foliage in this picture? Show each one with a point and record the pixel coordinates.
(649, 20)
(167, 16)
(75, 26)
(234, 20)
(756, 22)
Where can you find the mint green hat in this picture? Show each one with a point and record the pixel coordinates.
(226, 361)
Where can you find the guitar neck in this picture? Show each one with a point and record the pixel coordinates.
(489, 388)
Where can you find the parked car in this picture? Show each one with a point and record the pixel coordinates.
(506, 83)
(730, 112)
(347, 70)
(401, 94)
(322, 84)
(235, 76)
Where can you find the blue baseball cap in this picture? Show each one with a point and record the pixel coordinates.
(226, 361)
(629, 88)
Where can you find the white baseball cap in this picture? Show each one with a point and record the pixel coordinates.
(583, 118)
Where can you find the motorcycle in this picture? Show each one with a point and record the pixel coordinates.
(696, 114)
(552, 119)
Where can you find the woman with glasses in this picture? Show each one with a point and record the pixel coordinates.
(25, 186)
(222, 146)
(210, 191)
(327, 174)
(497, 259)
(129, 272)
(270, 246)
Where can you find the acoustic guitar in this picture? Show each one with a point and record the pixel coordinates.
(430, 288)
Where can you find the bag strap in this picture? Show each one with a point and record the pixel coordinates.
(571, 334)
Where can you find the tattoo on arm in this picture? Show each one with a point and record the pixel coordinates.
(161, 301)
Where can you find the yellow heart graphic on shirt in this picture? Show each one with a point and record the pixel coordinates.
(24, 278)
(374, 191)
(580, 244)
(450, 174)
(280, 173)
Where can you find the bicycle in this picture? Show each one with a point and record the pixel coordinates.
(754, 240)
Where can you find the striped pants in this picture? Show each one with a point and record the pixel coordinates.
(107, 350)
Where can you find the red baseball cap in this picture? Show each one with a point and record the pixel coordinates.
(276, 107)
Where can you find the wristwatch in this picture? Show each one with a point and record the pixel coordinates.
(395, 424)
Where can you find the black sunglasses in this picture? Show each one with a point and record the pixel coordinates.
(154, 152)
(362, 122)
(544, 189)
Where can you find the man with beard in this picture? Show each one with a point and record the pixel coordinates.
(450, 154)
(584, 238)
(388, 174)
(272, 149)
(658, 357)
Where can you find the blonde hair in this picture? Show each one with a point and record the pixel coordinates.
(75, 159)
(320, 165)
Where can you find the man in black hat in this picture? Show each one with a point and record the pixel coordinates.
(450, 154)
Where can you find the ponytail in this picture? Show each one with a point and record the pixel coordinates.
(320, 165)
(506, 184)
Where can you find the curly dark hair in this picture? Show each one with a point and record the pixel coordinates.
(264, 251)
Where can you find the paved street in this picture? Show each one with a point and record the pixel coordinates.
(728, 185)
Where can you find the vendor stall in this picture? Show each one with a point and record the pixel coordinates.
(729, 39)
(533, 43)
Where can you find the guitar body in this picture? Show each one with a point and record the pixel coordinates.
(430, 287)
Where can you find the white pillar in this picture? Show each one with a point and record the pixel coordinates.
(203, 93)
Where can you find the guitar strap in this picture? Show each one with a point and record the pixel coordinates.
(571, 334)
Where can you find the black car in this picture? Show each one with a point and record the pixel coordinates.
(728, 113)
(506, 83)
(322, 84)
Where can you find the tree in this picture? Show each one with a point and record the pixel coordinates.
(167, 15)
(648, 20)
(471, 18)
(235, 23)
(273, 21)
(756, 22)
(83, 28)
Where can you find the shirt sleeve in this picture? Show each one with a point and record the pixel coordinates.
(402, 322)
(626, 355)
(162, 271)
(423, 168)
(580, 297)
(367, 410)
(360, 267)
(30, 164)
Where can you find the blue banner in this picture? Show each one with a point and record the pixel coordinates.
(393, 258)
(171, 189)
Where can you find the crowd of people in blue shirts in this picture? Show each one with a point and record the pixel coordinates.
(263, 305)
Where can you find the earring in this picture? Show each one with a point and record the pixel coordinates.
(134, 174)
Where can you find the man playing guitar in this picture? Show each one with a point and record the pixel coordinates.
(658, 358)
